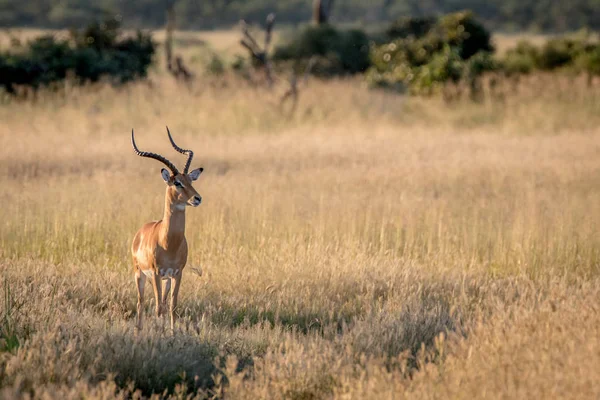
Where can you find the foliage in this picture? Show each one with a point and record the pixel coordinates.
(444, 66)
(216, 66)
(425, 60)
(428, 35)
(336, 51)
(458, 48)
(481, 63)
(557, 15)
(572, 53)
(98, 51)
(462, 31)
(520, 60)
(405, 27)
(560, 52)
(589, 62)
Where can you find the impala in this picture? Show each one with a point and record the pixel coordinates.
(159, 248)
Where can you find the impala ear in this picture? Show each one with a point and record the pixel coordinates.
(166, 175)
(195, 174)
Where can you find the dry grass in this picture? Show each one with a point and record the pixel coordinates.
(503, 41)
(370, 246)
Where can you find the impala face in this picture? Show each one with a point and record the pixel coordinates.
(180, 187)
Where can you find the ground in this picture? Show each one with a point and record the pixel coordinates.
(367, 246)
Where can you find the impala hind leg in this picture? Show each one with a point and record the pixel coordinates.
(140, 281)
(176, 281)
(156, 285)
(165, 293)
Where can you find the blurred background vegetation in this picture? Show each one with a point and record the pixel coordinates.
(419, 48)
(401, 202)
(505, 15)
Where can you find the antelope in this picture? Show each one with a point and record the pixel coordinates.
(159, 248)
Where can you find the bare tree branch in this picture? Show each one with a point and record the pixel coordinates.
(247, 36)
(293, 92)
(177, 69)
(260, 56)
(269, 31)
(170, 27)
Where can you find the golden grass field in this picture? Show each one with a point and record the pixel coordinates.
(371, 246)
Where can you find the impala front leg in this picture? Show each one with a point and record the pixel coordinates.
(140, 280)
(156, 285)
(174, 294)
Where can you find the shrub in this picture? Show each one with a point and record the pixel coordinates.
(444, 66)
(216, 66)
(336, 51)
(517, 64)
(94, 53)
(100, 36)
(589, 62)
(479, 64)
(415, 27)
(463, 31)
(354, 51)
(423, 60)
(520, 60)
(560, 52)
(474, 68)
(458, 48)
(412, 52)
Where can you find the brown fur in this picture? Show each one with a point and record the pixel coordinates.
(161, 246)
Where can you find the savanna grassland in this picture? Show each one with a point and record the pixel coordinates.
(369, 246)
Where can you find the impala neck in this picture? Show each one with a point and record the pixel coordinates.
(173, 222)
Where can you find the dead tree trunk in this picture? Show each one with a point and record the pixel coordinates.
(322, 11)
(170, 27)
(260, 56)
(177, 68)
(294, 90)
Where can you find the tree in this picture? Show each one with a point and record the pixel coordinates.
(177, 68)
(322, 11)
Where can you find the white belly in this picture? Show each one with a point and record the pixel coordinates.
(165, 273)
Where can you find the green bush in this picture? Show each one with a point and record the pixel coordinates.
(410, 51)
(432, 52)
(415, 27)
(462, 31)
(589, 62)
(570, 52)
(335, 51)
(458, 48)
(95, 53)
(521, 60)
(474, 68)
(354, 51)
(517, 64)
(216, 66)
(481, 63)
(444, 66)
(560, 52)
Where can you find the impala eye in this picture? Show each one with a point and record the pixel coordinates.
(178, 184)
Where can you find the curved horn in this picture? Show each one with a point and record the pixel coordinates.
(158, 157)
(182, 151)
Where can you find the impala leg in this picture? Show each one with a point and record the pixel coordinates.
(176, 281)
(156, 285)
(140, 281)
(165, 293)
